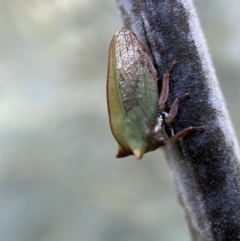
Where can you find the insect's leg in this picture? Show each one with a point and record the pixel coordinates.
(165, 88)
(187, 131)
(174, 109)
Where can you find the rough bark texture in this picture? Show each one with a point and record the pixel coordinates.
(205, 165)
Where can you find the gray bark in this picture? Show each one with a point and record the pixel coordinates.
(205, 165)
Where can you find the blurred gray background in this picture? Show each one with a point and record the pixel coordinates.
(59, 179)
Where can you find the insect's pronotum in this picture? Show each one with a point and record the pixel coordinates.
(136, 113)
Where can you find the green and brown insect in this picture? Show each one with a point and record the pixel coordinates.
(136, 112)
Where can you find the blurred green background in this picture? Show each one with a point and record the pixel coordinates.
(59, 179)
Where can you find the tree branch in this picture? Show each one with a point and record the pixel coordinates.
(205, 165)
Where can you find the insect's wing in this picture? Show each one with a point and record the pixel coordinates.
(131, 93)
(137, 80)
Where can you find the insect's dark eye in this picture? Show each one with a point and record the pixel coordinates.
(164, 115)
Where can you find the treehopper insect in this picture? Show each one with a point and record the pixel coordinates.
(136, 113)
